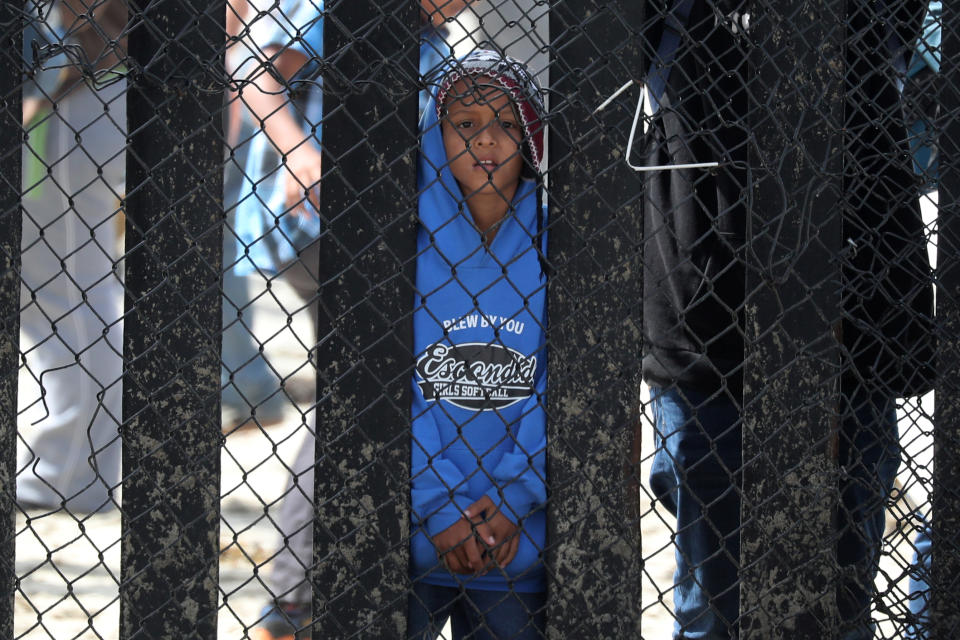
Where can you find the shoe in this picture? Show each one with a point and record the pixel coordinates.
(279, 621)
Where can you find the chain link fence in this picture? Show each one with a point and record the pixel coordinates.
(479, 318)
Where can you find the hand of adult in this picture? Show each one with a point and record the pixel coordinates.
(302, 187)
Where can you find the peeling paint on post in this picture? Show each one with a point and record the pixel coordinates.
(945, 565)
(792, 357)
(11, 82)
(171, 386)
(362, 479)
(593, 554)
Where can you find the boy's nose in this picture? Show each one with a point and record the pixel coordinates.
(485, 136)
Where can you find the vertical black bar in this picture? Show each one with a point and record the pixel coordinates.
(364, 356)
(593, 557)
(945, 566)
(11, 103)
(171, 406)
(792, 356)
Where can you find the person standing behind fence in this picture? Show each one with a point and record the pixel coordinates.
(479, 439)
(277, 226)
(72, 289)
(694, 296)
(922, 111)
(248, 382)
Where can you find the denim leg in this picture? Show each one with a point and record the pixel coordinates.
(253, 380)
(475, 614)
(695, 474)
(503, 615)
(869, 454)
(919, 596)
(428, 608)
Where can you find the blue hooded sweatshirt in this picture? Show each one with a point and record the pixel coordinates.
(479, 425)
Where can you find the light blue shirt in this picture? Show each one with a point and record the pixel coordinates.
(269, 235)
(928, 49)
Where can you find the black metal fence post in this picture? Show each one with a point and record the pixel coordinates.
(11, 139)
(791, 378)
(595, 227)
(945, 522)
(171, 406)
(364, 355)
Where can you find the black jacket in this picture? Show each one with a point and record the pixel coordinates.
(695, 220)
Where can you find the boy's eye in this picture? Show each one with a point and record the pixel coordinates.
(465, 124)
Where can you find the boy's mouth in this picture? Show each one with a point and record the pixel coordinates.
(489, 165)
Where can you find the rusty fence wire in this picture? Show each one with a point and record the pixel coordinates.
(479, 319)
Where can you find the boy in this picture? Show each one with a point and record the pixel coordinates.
(479, 427)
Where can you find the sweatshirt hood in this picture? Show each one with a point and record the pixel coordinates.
(444, 214)
(485, 66)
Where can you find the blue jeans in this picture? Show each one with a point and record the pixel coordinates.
(475, 614)
(696, 475)
(919, 627)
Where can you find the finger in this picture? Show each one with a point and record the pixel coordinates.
(304, 202)
(463, 560)
(485, 534)
(508, 546)
(489, 562)
(503, 552)
(449, 561)
(482, 505)
(473, 553)
(296, 194)
(514, 545)
(295, 207)
(292, 190)
(315, 199)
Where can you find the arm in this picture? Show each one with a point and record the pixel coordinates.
(266, 98)
(519, 477)
(237, 13)
(439, 494)
(518, 483)
(439, 11)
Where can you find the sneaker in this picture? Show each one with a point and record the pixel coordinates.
(279, 621)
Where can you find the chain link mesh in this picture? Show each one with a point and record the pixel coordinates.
(314, 330)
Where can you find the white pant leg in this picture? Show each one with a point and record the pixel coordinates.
(71, 304)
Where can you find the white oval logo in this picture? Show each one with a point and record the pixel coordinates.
(476, 376)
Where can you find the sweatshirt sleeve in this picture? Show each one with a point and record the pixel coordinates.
(520, 476)
(439, 490)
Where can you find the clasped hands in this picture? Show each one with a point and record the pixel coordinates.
(482, 539)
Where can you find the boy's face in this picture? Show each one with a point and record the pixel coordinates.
(482, 136)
